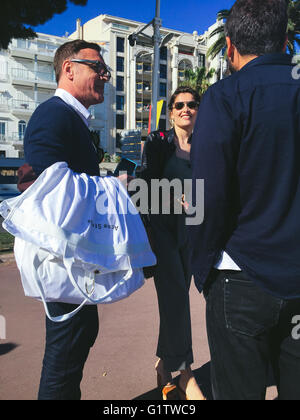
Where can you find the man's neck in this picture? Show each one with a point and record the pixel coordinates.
(242, 60)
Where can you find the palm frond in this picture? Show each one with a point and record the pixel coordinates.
(217, 47)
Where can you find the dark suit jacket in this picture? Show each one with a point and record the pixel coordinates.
(56, 133)
(246, 147)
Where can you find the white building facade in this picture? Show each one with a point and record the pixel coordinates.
(27, 78)
(128, 95)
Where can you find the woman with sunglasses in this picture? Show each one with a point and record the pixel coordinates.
(166, 156)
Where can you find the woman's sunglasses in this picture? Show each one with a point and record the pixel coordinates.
(190, 104)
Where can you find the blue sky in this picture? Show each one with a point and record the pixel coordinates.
(187, 16)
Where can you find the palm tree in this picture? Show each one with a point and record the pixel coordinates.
(293, 26)
(218, 46)
(198, 79)
(293, 30)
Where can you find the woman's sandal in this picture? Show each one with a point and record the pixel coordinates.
(170, 392)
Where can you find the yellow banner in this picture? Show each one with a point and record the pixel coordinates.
(159, 108)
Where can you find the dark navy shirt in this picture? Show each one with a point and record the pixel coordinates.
(246, 147)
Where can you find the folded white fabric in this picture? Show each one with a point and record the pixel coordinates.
(79, 239)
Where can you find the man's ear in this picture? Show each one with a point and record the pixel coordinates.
(68, 69)
(230, 48)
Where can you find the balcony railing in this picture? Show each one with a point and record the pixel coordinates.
(10, 138)
(4, 104)
(23, 105)
(142, 125)
(31, 76)
(145, 108)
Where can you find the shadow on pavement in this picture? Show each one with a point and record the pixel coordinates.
(202, 376)
(7, 347)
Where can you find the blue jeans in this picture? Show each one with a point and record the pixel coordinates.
(67, 348)
(250, 330)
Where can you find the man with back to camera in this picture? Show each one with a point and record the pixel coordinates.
(246, 254)
(58, 131)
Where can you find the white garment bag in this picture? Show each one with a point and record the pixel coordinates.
(79, 239)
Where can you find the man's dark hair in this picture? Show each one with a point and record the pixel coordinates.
(257, 27)
(70, 50)
(184, 89)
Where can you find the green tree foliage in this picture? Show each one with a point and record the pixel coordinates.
(293, 30)
(293, 26)
(198, 80)
(17, 16)
(220, 43)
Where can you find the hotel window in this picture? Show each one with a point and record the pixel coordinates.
(21, 129)
(120, 121)
(120, 103)
(120, 83)
(201, 60)
(2, 130)
(120, 44)
(162, 89)
(120, 64)
(163, 71)
(163, 53)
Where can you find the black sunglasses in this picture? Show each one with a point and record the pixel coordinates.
(99, 67)
(190, 104)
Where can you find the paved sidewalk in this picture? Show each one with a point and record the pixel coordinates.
(121, 363)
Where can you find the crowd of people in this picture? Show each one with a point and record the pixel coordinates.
(243, 139)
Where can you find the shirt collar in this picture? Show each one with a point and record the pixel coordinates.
(75, 104)
(272, 58)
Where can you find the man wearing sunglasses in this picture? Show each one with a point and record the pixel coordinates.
(59, 131)
(246, 253)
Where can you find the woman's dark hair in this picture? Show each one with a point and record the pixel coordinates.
(184, 89)
(257, 27)
(70, 50)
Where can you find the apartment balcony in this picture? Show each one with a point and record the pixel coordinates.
(142, 125)
(143, 109)
(30, 78)
(4, 77)
(4, 105)
(22, 77)
(145, 92)
(46, 80)
(13, 139)
(21, 50)
(147, 76)
(23, 107)
(28, 49)
(46, 54)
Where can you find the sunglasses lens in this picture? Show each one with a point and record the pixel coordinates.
(192, 104)
(179, 105)
(103, 71)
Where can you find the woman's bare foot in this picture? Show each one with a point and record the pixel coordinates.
(189, 386)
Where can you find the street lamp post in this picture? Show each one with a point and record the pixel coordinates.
(155, 42)
(155, 73)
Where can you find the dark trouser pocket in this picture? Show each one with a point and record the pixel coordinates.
(248, 309)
